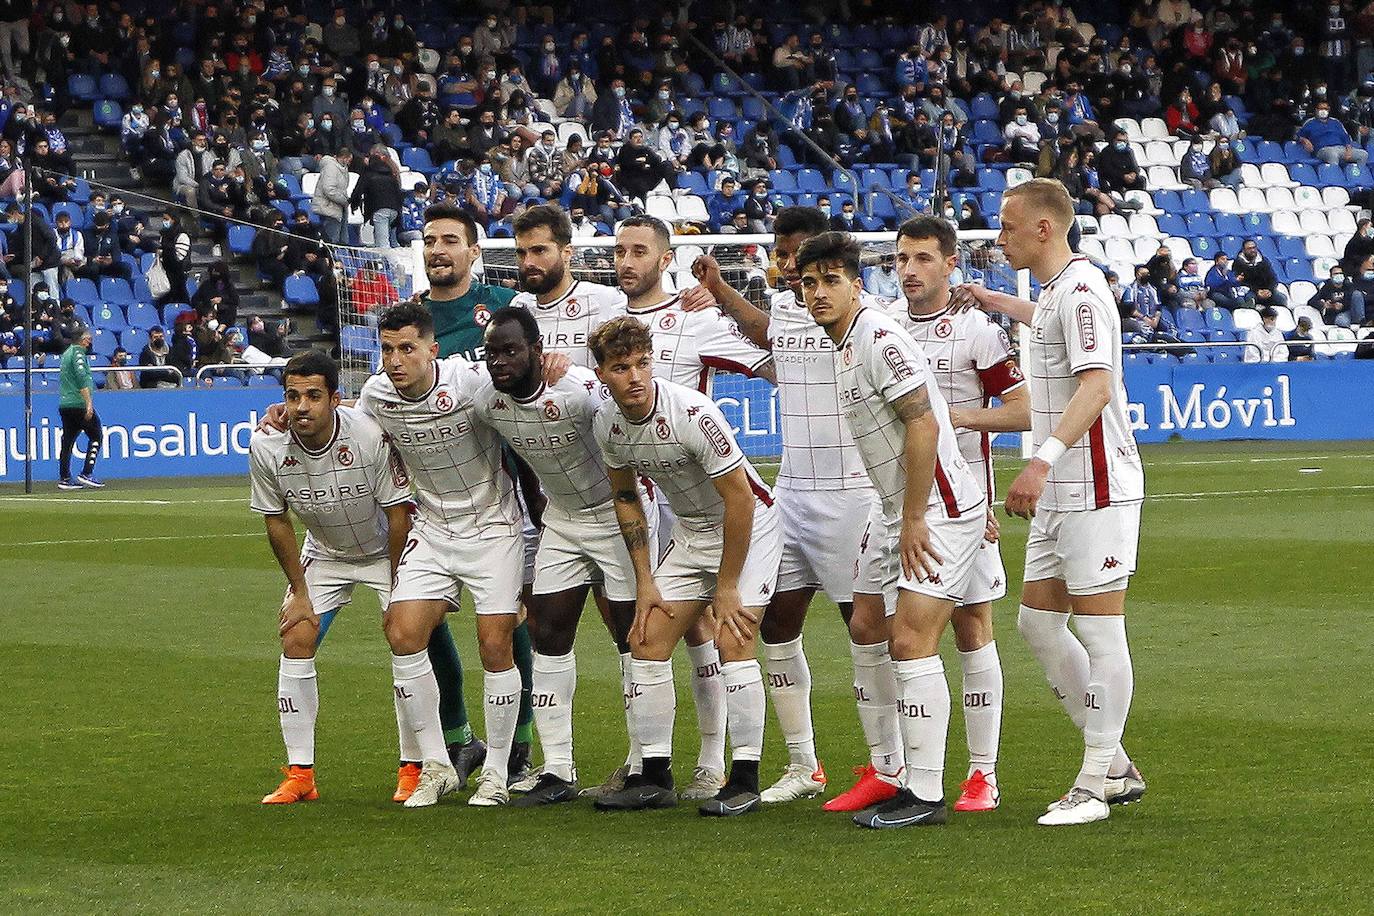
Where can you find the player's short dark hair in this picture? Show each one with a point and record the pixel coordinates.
(446, 210)
(653, 223)
(806, 221)
(548, 216)
(837, 248)
(930, 227)
(516, 315)
(407, 315)
(313, 362)
(620, 337)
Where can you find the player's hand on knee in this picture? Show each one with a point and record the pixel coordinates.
(919, 558)
(733, 620)
(649, 602)
(274, 420)
(296, 609)
(555, 367)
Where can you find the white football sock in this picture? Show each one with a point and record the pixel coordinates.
(555, 679)
(708, 692)
(653, 701)
(924, 714)
(1065, 662)
(982, 707)
(418, 692)
(410, 747)
(789, 686)
(875, 693)
(501, 693)
(744, 707)
(1107, 700)
(298, 702)
(633, 759)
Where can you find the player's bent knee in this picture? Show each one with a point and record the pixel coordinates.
(408, 627)
(783, 619)
(494, 641)
(299, 641)
(1109, 598)
(868, 622)
(972, 626)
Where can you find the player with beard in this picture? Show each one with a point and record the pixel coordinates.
(689, 348)
(549, 425)
(971, 363)
(822, 488)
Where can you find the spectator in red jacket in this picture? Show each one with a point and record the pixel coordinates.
(1182, 116)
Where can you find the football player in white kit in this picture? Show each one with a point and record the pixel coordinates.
(921, 544)
(549, 425)
(467, 533)
(689, 348)
(333, 468)
(1082, 491)
(971, 363)
(822, 488)
(723, 552)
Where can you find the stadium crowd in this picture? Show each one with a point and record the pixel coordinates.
(341, 125)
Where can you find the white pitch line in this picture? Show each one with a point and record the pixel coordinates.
(132, 540)
(1262, 492)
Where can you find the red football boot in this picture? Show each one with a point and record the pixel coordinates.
(871, 789)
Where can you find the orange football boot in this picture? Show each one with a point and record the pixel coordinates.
(407, 778)
(299, 785)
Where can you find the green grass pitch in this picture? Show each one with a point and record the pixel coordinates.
(138, 731)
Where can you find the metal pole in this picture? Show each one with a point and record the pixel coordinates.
(28, 328)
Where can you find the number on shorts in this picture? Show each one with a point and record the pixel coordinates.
(411, 544)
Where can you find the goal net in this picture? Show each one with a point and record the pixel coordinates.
(370, 282)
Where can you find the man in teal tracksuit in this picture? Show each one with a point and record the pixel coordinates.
(77, 408)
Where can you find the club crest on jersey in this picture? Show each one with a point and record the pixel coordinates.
(897, 363)
(443, 401)
(572, 309)
(667, 322)
(615, 430)
(943, 328)
(848, 355)
(661, 428)
(345, 456)
(290, 462)
(551, 410)
(1087, 328)
(481, 315)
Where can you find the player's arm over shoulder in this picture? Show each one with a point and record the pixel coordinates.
(265, 494)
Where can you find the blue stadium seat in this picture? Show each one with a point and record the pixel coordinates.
(74, 211)
(992, 180)
(1290, 247)
(1195, 201)
(1172, 224)
(109, 317)
(82, 87)
(786, 158)
(241, 239)
(811, 180)
(753, 109)
(871, 223)
(986, 133)
(1328, 175)
(984, 107)
(1201, 224)
(116, 291)
(1269, 247)
(285, 207)
(82, 291)
(868, 59)
(1268, 151)
(1169, 202)
(1303, 173)
(142, 315)
(1357, 176)
(845, 182)
(1219, 336)
(1230, 243)
(104, 341)
(1229, 224)
(133, 340)
(782, 180)
(417, 160)
(1205, 247)
(1190, 320)
(107, 115)
(1220, 319)
(300, 290)
(293, 186)
(871, 84)
(113, 86)
(721, 109)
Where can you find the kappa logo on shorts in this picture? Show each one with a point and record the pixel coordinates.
(443, 402)
(667, 321)
(572, 309)
(481, 315)
(345, 456)
(1110, 563)
(551, 410)
(997, 583)
(943, 328)
(661, 428)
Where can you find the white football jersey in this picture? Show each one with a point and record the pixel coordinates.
(682, 445)
(453, 459)
(566, 324)
(552, 432)
(818, 452)
(875, 364)
(1076, 327)
(338, 492)
(971, 362)
(689, 347)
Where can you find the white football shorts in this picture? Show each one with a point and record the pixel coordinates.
(820, 538)
(956, 540)
(587, 548)
(330, 582)
(691, 559)
(436, 565)
(1092, 550)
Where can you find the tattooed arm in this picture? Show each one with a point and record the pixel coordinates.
(634, 528)
(919, 560)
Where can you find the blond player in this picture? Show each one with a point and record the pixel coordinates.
(332, 468)
(689, 348)
(467, 534)
(1082, 492)
(723, 552)
(920, 546)
(971, 363)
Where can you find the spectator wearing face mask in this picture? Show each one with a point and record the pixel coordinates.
(175, 256)
(1300, 342)
(546, 166)
(1224, 163)
(1327, 139)
(1254, 271)
(271, 252)
(216, 295)
(330, 201)
(192, 165)
(378, 193)
(1117, 167)
(1196, 169)
(758, 209)
(1267, 344)
(1360, 247)
(359, 137)
(575, 96)
(1340, 301)
(1221, 284)
(1021, 137)
(486, 197)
